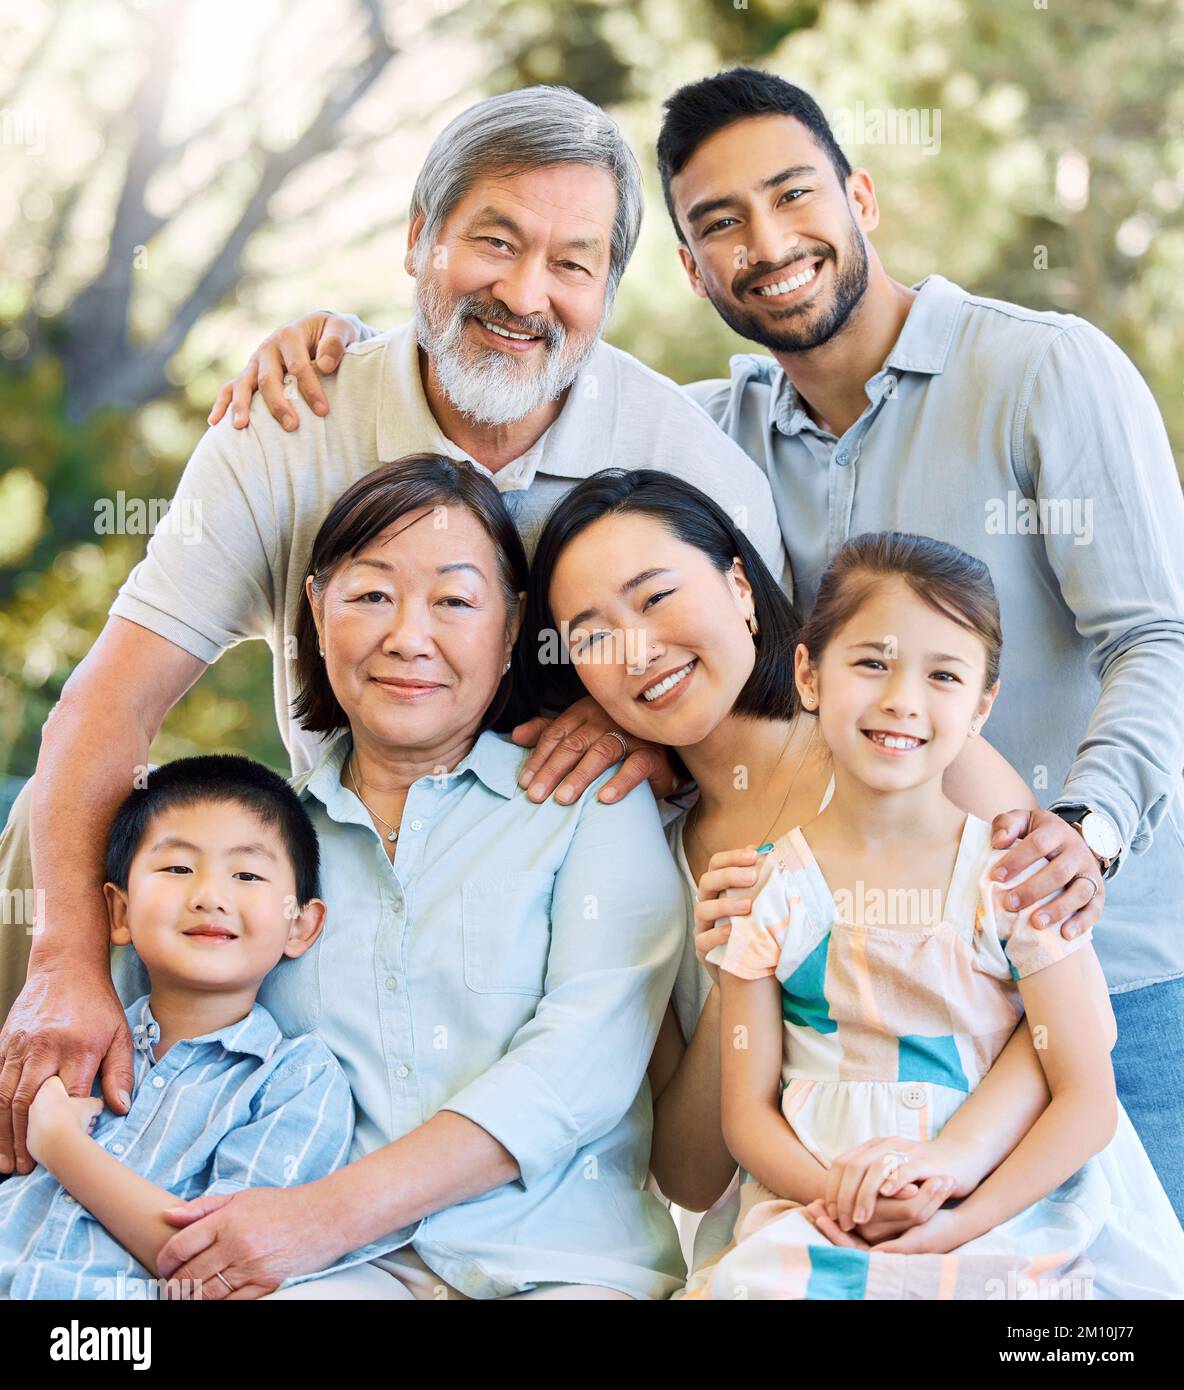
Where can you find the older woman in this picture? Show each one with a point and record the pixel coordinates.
(493, 972)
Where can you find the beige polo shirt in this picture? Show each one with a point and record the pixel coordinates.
(227, 562)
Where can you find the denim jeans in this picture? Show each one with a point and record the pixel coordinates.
(1149, 1072)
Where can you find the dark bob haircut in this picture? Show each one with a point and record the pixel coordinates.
(217, 777)
(698, 110)
(365, 510)
(691, 516)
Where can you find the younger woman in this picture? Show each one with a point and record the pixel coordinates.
(878, 975)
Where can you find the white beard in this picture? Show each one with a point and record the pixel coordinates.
(488, 386)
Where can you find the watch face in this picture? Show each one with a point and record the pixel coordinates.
(1101, 835)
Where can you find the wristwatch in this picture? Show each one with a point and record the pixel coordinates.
(1099, 833)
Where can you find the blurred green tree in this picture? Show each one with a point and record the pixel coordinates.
(178, 178)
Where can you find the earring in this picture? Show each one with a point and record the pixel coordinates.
(972, 731)
(321, 650)
(808, 701)
(753, 625)
(508, 664)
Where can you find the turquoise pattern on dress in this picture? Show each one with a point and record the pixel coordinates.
(803, 995)
(931, 1059)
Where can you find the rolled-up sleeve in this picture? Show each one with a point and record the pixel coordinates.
(1092, 436)
(617, 926)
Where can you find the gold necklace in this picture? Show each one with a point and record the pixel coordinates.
(784, 799)
(393, 833)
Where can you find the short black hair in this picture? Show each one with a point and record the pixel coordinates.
(217, 777)
(770, 691)
(697, 110)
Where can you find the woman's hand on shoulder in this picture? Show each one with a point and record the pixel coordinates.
(572, 750)
(727, 870)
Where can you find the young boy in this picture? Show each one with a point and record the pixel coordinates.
(213, 878)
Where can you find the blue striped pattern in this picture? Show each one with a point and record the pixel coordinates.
(240, 1107)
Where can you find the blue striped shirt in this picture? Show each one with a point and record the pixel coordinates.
(240, 1107)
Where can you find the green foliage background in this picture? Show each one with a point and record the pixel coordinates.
(1030, 95)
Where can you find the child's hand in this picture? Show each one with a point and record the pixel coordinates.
(939, 1234)
(54, 1110)
(730, 868)
(943, 1232)
(888, 1167)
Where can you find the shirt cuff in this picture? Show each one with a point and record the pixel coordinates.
(180, 634)
(521, 1111)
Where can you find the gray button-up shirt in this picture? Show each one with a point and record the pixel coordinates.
(1030, 441)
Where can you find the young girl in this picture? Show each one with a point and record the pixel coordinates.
(878, 975)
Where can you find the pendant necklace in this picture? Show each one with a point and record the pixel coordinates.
(392, 831)
(784, 799)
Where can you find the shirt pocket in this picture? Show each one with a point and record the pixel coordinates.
(507, 932)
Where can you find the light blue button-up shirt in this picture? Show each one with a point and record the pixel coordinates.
(240, 1107)
(1029, 440)
(512, 965)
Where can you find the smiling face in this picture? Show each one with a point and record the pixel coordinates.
(512, 296)
(671, 625)
(897, 689)
(211, 899)
(416, 630)
(774, 240)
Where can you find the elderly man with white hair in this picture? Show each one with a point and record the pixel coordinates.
(523, 218)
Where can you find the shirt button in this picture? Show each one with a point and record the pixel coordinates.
(158, 1082)
(402, 1071)
(842, 456)
(417, 825)
(392, 982)
(69, 1201)
(116, 1148)
(913, 1097)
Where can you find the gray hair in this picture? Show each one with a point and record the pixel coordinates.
(529, 129)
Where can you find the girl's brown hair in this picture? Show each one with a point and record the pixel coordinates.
(947, 579)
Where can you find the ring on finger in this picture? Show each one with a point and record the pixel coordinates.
(612, 733)
(1089, 879)
(220, 1275)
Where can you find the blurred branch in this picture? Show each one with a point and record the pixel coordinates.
(32, 60)
(130, 376)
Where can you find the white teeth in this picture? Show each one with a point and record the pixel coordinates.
(892, 741)
(784, 286)
(668, 684)
(505, 332)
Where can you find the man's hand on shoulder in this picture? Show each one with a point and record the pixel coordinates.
(321, 338)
